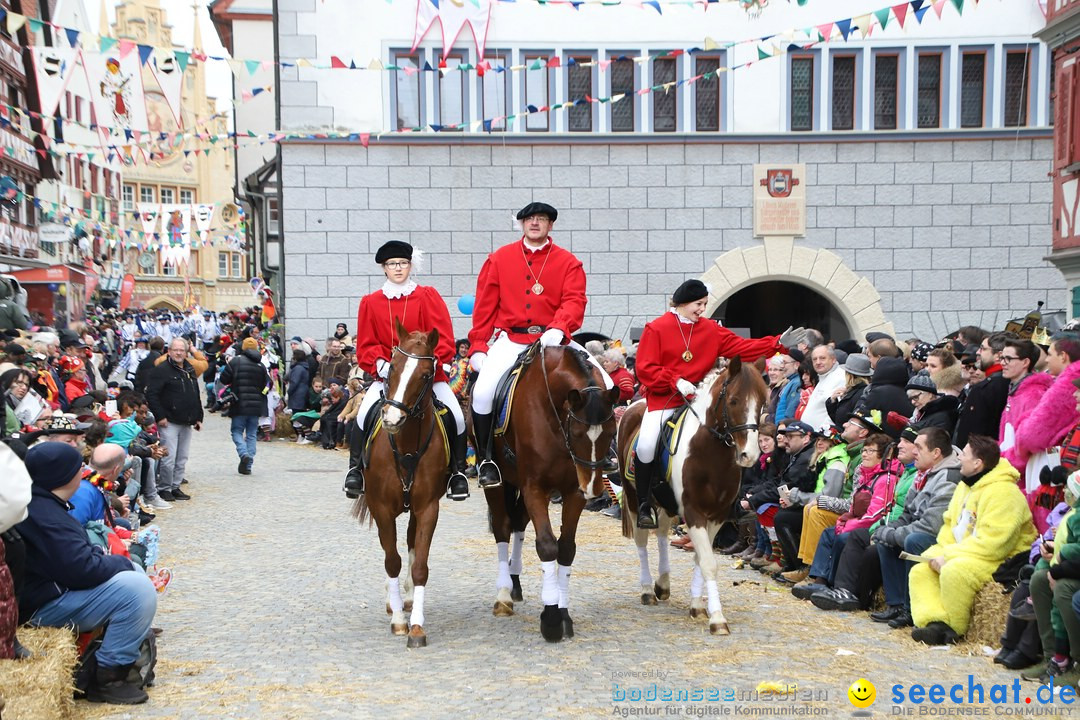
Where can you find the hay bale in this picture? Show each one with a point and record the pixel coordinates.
(988, 616)
(41, 687)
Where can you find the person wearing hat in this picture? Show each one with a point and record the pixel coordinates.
(528, 291)
(59, 428)
(418, 308)
(886, 393)
(931, 409)
(844, 400)
(69, 582)
(920, 354)
(675, 353)
(341, 333)
(208, 329)
(163, 329)
(73, 371)
(246, 375)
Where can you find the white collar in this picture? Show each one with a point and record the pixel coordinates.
(683, 320)
(532, 249)
(394, 290)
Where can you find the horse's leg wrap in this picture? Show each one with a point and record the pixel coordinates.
(549, 593)
(564, 586)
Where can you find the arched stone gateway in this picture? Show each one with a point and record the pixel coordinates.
(163, 302)
(821, 270)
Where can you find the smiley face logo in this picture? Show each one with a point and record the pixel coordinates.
(862, 693)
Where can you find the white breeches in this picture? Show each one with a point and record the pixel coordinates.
(440, 389)
(501, 356)
(651, 425)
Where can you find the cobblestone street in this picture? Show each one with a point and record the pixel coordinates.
(276, 611)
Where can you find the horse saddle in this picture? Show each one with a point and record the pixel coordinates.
(373, 420)
(504, 391)
(670, 435)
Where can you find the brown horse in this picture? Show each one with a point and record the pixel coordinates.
(719, 436)
(408, 472)
(560, 428)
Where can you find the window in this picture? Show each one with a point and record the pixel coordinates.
(665, 107)
(168, 196)
(843, 92)
(272, 214)
(579, 86)
(94, 170)
(972, 89)
(408, 92)
(223, 264)
(493, 93)
(706, 94)
(237, 264)
(929, 107)
(230, 264)
(78, 109)
(146, 194)
(129, 198)
(622, 83)
(536, 92)
(168, 269)
(802, 93)
(886, 79)
(452, 99)
(1016, 88)
(187, 197)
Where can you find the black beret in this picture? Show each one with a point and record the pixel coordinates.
(393, 249)
(690, 291)
(538, 208)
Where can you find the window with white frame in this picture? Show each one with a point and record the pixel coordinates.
(452, 99)
(147, 194)
(621, 72)
(407, 92)
(537, 88)
(128, 198)
(665, 106)
(579, 87)
(707, 93)
(236, 261)
(223, 264)
(187, 197)
(168, 196)
(494, 90)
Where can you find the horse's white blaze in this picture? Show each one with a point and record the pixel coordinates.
(392, 415)
(751, 449)
(593, 434)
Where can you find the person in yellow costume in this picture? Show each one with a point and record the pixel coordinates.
(988, 522)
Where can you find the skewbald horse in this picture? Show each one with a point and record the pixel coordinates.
(408, 472)
(559, 432)
(719, 437)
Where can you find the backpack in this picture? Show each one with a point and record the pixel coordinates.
(142, 672)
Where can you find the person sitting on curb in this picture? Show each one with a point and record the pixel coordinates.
(69, 582)
(988, 522)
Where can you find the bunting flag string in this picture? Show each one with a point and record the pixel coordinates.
(154, 56)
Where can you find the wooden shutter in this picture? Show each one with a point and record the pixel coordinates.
(1064, 115)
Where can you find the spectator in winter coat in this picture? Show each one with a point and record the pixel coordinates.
(173, 395)
(247, 377)
(334, 364)
(931, 409)
(1026, 389)
(142, 372)
(886, 392)
(70, 582)
(299, 382)
(831, 377)
(789, 395)
(986, 523)
(614, 363)
(981, 412)
(844, 400)
(1047, 423)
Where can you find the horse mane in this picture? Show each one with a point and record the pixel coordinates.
(703, 399)
(594, 412)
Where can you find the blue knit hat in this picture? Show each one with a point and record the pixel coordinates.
(53, 464)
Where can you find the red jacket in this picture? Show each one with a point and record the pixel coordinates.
(505, 300)
(660, 355)
(422, 310)
(625, 382)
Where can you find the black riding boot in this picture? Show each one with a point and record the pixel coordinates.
(488, 471)
(643, 482)
(458, 487)
(354, 480)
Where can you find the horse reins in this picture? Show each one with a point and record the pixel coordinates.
(570, 417)
(411, 461)
(727, 436)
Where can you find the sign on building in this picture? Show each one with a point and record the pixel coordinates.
(780, 200)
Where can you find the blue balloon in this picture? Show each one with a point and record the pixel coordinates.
(465, 304)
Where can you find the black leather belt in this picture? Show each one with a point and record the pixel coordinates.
(531, 330)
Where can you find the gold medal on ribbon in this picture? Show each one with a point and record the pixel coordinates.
(537, 289)
(687, 356)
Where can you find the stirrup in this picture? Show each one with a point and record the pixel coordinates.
(646, 519)
(450, 487)
(484, 482)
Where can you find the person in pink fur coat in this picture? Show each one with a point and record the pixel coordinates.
(1026, 389)
(1056, 413)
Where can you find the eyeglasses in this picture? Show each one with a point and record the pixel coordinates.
(1008, 358)
(396, 264)
(20, 383)
(537, 218)
(869, 451)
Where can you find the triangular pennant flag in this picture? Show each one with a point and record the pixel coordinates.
(959, 5)
(15, 21)
(375, 64)
(365, 138)
(144, 53)
(252, 66)
(107, 43)
(35, 25)
(654, 4)
(844, 26)
(938, 5)
(710, 44)
(882, 17)
(826, 31)
(336, 63)
(761, 54)
(900, 11)
(863, 23)
(919, 14)
(126, 46)
(72, 36)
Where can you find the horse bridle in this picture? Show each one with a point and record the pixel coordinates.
(727, 436)
(564, 426)
(411, 461)
(413, 411)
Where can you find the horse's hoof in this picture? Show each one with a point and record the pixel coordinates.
(719, 628)
(408, 606)
(417, 638)
(551, 623)
(515, 591)
(697, 612)
(567, 623)
(662, 593)
(648, 599)
(399, 629)
(503, 609)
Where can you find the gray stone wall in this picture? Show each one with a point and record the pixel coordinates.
(949, 232)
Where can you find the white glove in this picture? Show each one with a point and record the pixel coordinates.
(382, 368)
(793, 336)
(686, 387)
(552, 337)
(477, 361)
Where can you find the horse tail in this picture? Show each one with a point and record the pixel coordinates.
(362, 512)
(628, 500)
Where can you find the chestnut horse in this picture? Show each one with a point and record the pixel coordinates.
(719, 437)
(559, 432)
(408, 472)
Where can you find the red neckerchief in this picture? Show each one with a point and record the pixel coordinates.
(993, 369)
